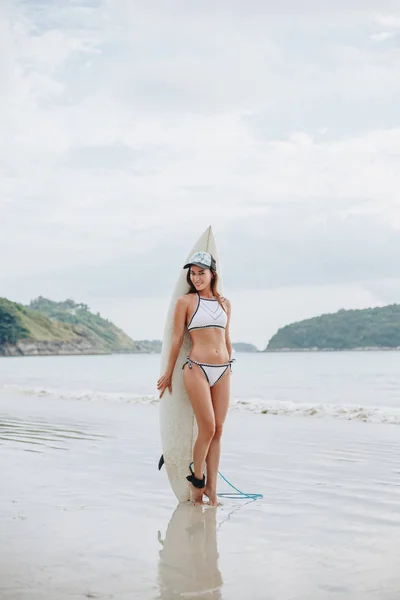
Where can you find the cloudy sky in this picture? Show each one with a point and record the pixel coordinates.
(127, 127)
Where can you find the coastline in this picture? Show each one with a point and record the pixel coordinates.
(61, 348)
(356, 349)
(45, 349)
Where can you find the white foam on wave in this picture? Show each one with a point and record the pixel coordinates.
(350, 412)
(84, 395)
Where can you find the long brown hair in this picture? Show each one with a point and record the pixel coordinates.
(213, 286)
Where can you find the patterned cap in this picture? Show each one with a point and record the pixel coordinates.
(202, 259)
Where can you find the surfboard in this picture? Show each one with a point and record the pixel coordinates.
(177, 422)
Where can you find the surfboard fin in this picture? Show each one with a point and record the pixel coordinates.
(161, 462)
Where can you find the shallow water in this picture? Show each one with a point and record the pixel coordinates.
(88, 515)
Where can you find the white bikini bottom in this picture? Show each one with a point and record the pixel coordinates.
(212, 373)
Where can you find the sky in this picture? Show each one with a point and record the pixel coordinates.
(128, 127)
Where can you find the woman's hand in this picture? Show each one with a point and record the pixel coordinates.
(165, 382)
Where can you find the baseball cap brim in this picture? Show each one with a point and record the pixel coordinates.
(200, 265)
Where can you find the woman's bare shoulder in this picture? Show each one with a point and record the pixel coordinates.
(226, 301)
(184, 300)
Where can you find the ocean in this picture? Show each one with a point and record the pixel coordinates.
(362, 386)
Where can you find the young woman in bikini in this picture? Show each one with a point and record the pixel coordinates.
(207, 371)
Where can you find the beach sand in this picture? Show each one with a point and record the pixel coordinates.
(85, 513)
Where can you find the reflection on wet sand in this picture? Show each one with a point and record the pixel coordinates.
(188, 562)
(34, 435)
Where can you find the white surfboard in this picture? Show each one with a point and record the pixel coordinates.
(177, 422)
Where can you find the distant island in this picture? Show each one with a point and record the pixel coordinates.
(244, 347)
(46, 327)
(364, 329)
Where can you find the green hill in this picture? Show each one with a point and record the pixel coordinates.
(100, 331)
(47, 327)
(345, 330)
(244, 347)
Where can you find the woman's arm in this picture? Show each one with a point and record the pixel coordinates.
(227, 334)
(179, 330)
(177, 338)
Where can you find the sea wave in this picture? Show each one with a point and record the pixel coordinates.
(350, 412)
(84, 395)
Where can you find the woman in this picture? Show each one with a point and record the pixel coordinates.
(207, 371)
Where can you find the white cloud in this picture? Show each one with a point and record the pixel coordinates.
(391, 27)
(382, 36)
(391, 21)
(286, 9)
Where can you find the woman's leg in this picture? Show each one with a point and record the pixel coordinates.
(200, 397)
(220, 400)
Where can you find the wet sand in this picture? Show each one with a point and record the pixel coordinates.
(86, 514)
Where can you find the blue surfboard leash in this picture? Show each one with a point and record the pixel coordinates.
(239, 494)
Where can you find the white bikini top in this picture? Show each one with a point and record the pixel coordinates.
(209, 313)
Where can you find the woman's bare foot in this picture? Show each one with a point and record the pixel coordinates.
(212, 496)
(197, 495)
